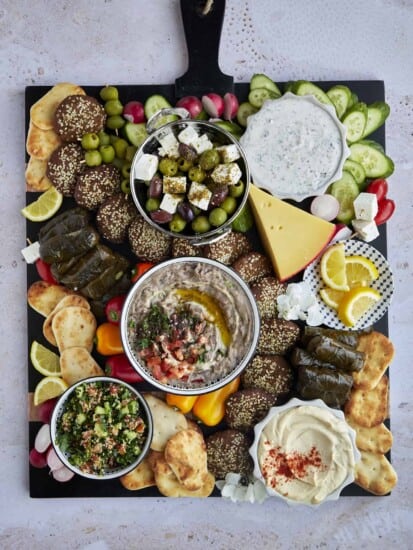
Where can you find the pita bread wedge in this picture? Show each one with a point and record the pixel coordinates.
(35, 174)
(67, 301)
(369, 408)
(169, 485)
(77, 363)
(42, 112)
(43, 297)
(378, 354)
(375, 473)
(41, 143)
(166, 422)
(74, 326)
(140, 477)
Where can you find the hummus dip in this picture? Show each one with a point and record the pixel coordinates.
(190, 324)
(305, 453)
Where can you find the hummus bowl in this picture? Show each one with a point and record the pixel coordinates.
(101, 428)
(189, 325)
(304, 452)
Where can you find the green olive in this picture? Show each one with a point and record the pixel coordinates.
(196, 174)
(229, 205)
(177, 224)
(90, 141)
(183, 164)
(201, 224)
(107, 153)
(126, 166)
(104, 138)
(130, 152)
(168, 167)
(152, 204)
(237, 190)
(125, 186)
(114, 122)
(113, 107)
(109, 92)
(217, 217)
(93, 158)
(120, 147)
(209, 159)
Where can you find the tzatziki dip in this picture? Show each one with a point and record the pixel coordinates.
(295, 146)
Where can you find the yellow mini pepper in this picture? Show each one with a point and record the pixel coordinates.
(209, 408)
(108, 340)
(182, 402)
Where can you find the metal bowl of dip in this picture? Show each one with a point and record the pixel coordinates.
(295, 146)
(189, 325)
(304, 452)
(198, 196)
(101, 428)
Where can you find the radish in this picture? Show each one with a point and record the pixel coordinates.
(133, 111)
(326, 207)
(42, 441)
(46, 409)
(213, 105)
(36, 459)
(53, 461)
(192, 104)
(62, 474)
(230, 106)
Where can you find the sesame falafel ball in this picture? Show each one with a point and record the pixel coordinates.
(277, 336)
(63, 167)
(114, 217)
(229, 248)
(95, 185)
(147, 243)
(78, 115)
(266, 292)
(227, 452)
(245, 408)
(252, 267)
(271, 373)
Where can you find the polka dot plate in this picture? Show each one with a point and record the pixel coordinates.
(384, 284)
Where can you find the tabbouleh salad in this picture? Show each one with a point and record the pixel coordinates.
(102, 427)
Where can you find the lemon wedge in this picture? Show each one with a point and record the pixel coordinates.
(44, 207)
(48, 388)
(333, 267)
(360, 271)
(44, 361)
(356, 303)
(332, 297)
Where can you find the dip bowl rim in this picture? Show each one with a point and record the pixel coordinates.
(59, 409)
(293, 403)
(235, 370)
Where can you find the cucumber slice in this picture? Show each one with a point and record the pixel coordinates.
(257, 96)
(340, 96)
(155, 103)
(353, 100)
(244, 111)
(345, 190)
(375, 162)
(135, 133)
(304, 87)
(355, 121)
(376, 115)
(230, 127)
(260, 80)
(356, 170)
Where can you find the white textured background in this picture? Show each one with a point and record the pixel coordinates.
(141, 42)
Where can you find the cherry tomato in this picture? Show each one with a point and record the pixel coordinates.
(140, 269)
(44, 271)
(379, 187)
(386, 209)
(113, 309)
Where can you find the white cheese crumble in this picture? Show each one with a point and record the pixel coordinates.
(299, 302)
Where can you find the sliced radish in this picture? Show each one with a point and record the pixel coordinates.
(192, 104)
(231, 105)
(36, 459)
(134, 111)
(342, 233)
(62, 474)
(53, 461)
(45, 410)
(42, 441)
(326, 207)
(213, 105)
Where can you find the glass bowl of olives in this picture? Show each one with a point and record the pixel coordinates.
(190, 178)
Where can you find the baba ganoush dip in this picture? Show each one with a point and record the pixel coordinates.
(295, 146)
(305, 453)
(189, 324)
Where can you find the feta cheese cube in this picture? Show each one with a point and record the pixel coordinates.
(31, 253)
(174, 184)
(228, 153)
(202, 144)
(146, 167)
(199, 195)
(228, 174)
(366, 207)
(170, 201)
(366, 230)
(188, 136)
(169, 145)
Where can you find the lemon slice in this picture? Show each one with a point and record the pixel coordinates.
(44, 361)
(332, 297)
(360, 271)
(47, 388)
(333, 267)
(44, 207)
(356, 303)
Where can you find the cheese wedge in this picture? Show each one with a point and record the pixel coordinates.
(291, 237)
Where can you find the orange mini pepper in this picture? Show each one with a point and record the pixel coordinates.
(108, 340)
(182, 402)
(209, 408)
